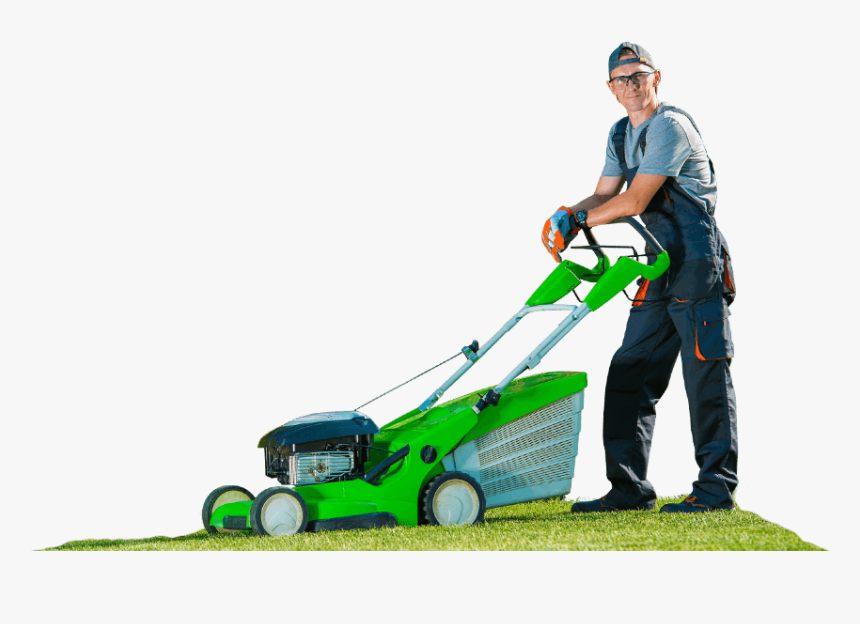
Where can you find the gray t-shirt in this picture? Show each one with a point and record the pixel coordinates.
(673, 149)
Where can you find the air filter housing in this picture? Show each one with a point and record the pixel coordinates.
(310, 468)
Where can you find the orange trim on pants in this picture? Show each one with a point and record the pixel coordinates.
(727, 275)
(640, 294)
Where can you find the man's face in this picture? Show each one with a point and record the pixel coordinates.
(635, 97)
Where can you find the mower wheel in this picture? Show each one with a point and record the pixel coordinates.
(454, 498)
(221, 496)
(279, 511)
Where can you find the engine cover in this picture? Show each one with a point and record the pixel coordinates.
(318, 447)
(322, 426)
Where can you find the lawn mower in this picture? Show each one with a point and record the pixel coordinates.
(439, 464)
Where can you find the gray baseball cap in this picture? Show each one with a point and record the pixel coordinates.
(642, 56)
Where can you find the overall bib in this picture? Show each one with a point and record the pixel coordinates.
(684, 311)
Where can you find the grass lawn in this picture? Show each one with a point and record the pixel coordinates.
(545, 525)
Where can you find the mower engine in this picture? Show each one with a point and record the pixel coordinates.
(318, 448)
(309, 468)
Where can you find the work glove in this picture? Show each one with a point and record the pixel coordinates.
(558, 231)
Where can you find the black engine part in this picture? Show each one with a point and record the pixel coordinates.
(327, 432)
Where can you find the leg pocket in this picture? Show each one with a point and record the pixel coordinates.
(713, 335)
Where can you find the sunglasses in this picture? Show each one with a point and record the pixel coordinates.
(638, 79)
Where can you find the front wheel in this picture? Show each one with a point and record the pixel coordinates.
(454, 498)
(279, 511)
(221, 496)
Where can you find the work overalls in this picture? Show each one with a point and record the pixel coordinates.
(684, 311)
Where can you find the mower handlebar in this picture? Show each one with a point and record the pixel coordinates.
(611, 280)
(644, 233)
(648, 271)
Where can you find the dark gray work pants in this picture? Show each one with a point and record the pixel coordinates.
(657, 331)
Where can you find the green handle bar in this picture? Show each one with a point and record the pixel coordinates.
(616, 278)
(608, 279)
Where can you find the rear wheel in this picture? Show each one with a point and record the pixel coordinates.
(221, 496)
(279, 511)
(454, 498)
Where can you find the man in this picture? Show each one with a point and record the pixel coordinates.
(671, 185)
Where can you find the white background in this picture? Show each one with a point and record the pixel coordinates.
(219, 216)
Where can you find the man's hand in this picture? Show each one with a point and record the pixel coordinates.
(558, 231)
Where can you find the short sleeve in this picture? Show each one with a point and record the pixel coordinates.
(668, 148)
(612, 167)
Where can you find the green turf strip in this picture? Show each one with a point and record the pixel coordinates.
(546, 525)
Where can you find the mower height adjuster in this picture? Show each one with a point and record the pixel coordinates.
(471, 351)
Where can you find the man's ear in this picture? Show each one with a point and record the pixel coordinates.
(657, 78)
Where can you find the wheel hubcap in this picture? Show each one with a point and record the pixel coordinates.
(456, 502)
(281, 515)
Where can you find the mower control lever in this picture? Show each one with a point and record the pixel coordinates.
(385, 465)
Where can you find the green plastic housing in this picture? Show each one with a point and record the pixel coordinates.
(608, 279)
(618, 277)
(566, 276)
(557, 284)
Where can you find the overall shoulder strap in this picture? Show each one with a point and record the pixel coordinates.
(618, 140)
(675, 109)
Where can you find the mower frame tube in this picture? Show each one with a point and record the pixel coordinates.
(534, 358)
(516, 318)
